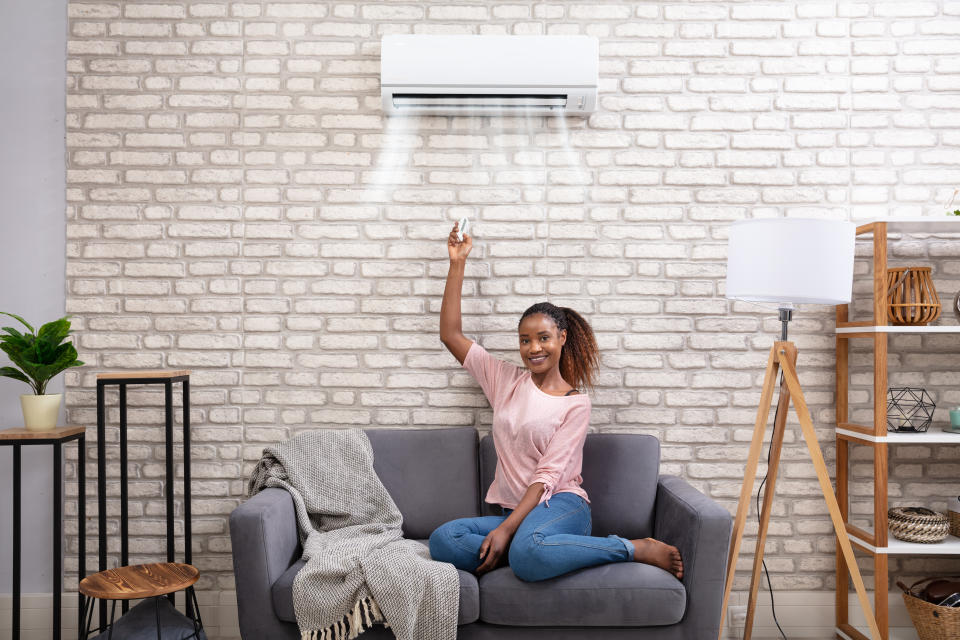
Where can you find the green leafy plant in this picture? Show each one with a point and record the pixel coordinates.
(955, 213)
(40, 355)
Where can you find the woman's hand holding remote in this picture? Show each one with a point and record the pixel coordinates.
(451, 329)
(458, 249)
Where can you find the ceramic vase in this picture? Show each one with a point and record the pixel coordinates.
(40, 412)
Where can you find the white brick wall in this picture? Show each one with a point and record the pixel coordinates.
(238, 205)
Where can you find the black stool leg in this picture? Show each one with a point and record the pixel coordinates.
(113, 612)
(156, 608)
(187, 523)
(168, 487)
(16, 542)
(87, 605)
(81, 525)
(57, 536)
(124, 491)
(197, 621)
(102, 489)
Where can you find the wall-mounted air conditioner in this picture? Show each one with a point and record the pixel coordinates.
(488, 75)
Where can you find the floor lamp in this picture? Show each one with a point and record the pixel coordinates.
(787, 261)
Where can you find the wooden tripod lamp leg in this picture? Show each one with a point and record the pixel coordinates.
(788, 359)
(776, 447)
(743, 506)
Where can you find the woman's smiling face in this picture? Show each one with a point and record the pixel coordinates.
(540, 342)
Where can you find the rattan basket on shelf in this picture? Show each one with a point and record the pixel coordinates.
(918, 524)
(931, 621)
(911, 296)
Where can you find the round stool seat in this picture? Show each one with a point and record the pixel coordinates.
(139, 581)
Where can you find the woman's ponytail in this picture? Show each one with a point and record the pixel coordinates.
(580, 357)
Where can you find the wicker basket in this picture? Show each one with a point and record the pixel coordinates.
(918, 524)
(955, 524)
(911, 297)
(931, 621)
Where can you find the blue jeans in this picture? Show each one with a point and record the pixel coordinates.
(550, 541)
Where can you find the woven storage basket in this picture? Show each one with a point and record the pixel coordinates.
(917, 524)
(911, 296)
(931, 621)
(955, 524)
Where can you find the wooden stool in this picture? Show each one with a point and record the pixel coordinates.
(137, 582)
(123, 379)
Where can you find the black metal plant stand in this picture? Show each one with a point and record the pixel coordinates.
(18, 438)
(122, 380)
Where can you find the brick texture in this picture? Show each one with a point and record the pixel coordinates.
(239, 206)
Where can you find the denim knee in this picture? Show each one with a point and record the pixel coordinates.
(525, 559)
(440, 543)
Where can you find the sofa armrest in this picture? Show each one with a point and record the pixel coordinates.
(263, 534)
(700, 528)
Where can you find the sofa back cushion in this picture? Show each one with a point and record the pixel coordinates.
(431, 474)
(620, 473)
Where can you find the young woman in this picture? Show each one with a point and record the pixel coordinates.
(540, 421)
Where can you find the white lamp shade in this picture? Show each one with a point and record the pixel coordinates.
(791, 261)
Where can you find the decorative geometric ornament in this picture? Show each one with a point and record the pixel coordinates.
(909, 409)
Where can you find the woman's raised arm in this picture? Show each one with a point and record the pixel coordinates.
(451, 331)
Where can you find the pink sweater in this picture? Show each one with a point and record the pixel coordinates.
(538, 437)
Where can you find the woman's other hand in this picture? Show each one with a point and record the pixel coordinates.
(494, 550)
(458, 249)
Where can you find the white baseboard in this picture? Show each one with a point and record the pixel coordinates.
(804, 615)
(809, 615)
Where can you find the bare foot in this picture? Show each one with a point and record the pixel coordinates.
(659, 554)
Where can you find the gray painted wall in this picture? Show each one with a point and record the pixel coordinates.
(32, 246)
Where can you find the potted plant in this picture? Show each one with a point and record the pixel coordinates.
(38, 357)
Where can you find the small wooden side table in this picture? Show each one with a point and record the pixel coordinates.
(138, 582)
(18, 438)
(121, 379)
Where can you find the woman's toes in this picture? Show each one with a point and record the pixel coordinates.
(659, 554)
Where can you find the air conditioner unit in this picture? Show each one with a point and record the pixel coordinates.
(488, 75)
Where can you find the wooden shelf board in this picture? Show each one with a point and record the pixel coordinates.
(159, 375)
(896, 329)
(58, 433)
(916, 225)
(949, 547)
(935, 435)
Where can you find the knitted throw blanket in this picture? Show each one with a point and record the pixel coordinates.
(360, 570)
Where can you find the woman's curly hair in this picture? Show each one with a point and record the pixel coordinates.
(580, 356)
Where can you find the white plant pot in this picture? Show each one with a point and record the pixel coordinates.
(40, 412)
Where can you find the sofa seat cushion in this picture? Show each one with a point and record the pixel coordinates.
(622, 594)
(282, 594)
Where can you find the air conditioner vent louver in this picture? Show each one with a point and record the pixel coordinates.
(489, 75)
(467, 101)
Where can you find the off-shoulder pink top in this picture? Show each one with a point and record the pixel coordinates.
(538, 437)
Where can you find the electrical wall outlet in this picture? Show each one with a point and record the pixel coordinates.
(737, 617)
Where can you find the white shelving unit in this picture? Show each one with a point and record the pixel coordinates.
(875, 540)
(934, 435)
(949, 547)
(892, 329)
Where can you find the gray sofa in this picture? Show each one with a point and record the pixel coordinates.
(436, 475)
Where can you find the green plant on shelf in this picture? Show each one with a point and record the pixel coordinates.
(40, 355)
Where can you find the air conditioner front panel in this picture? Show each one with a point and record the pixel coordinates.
(417, 71)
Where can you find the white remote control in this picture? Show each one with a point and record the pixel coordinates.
(462, 227)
